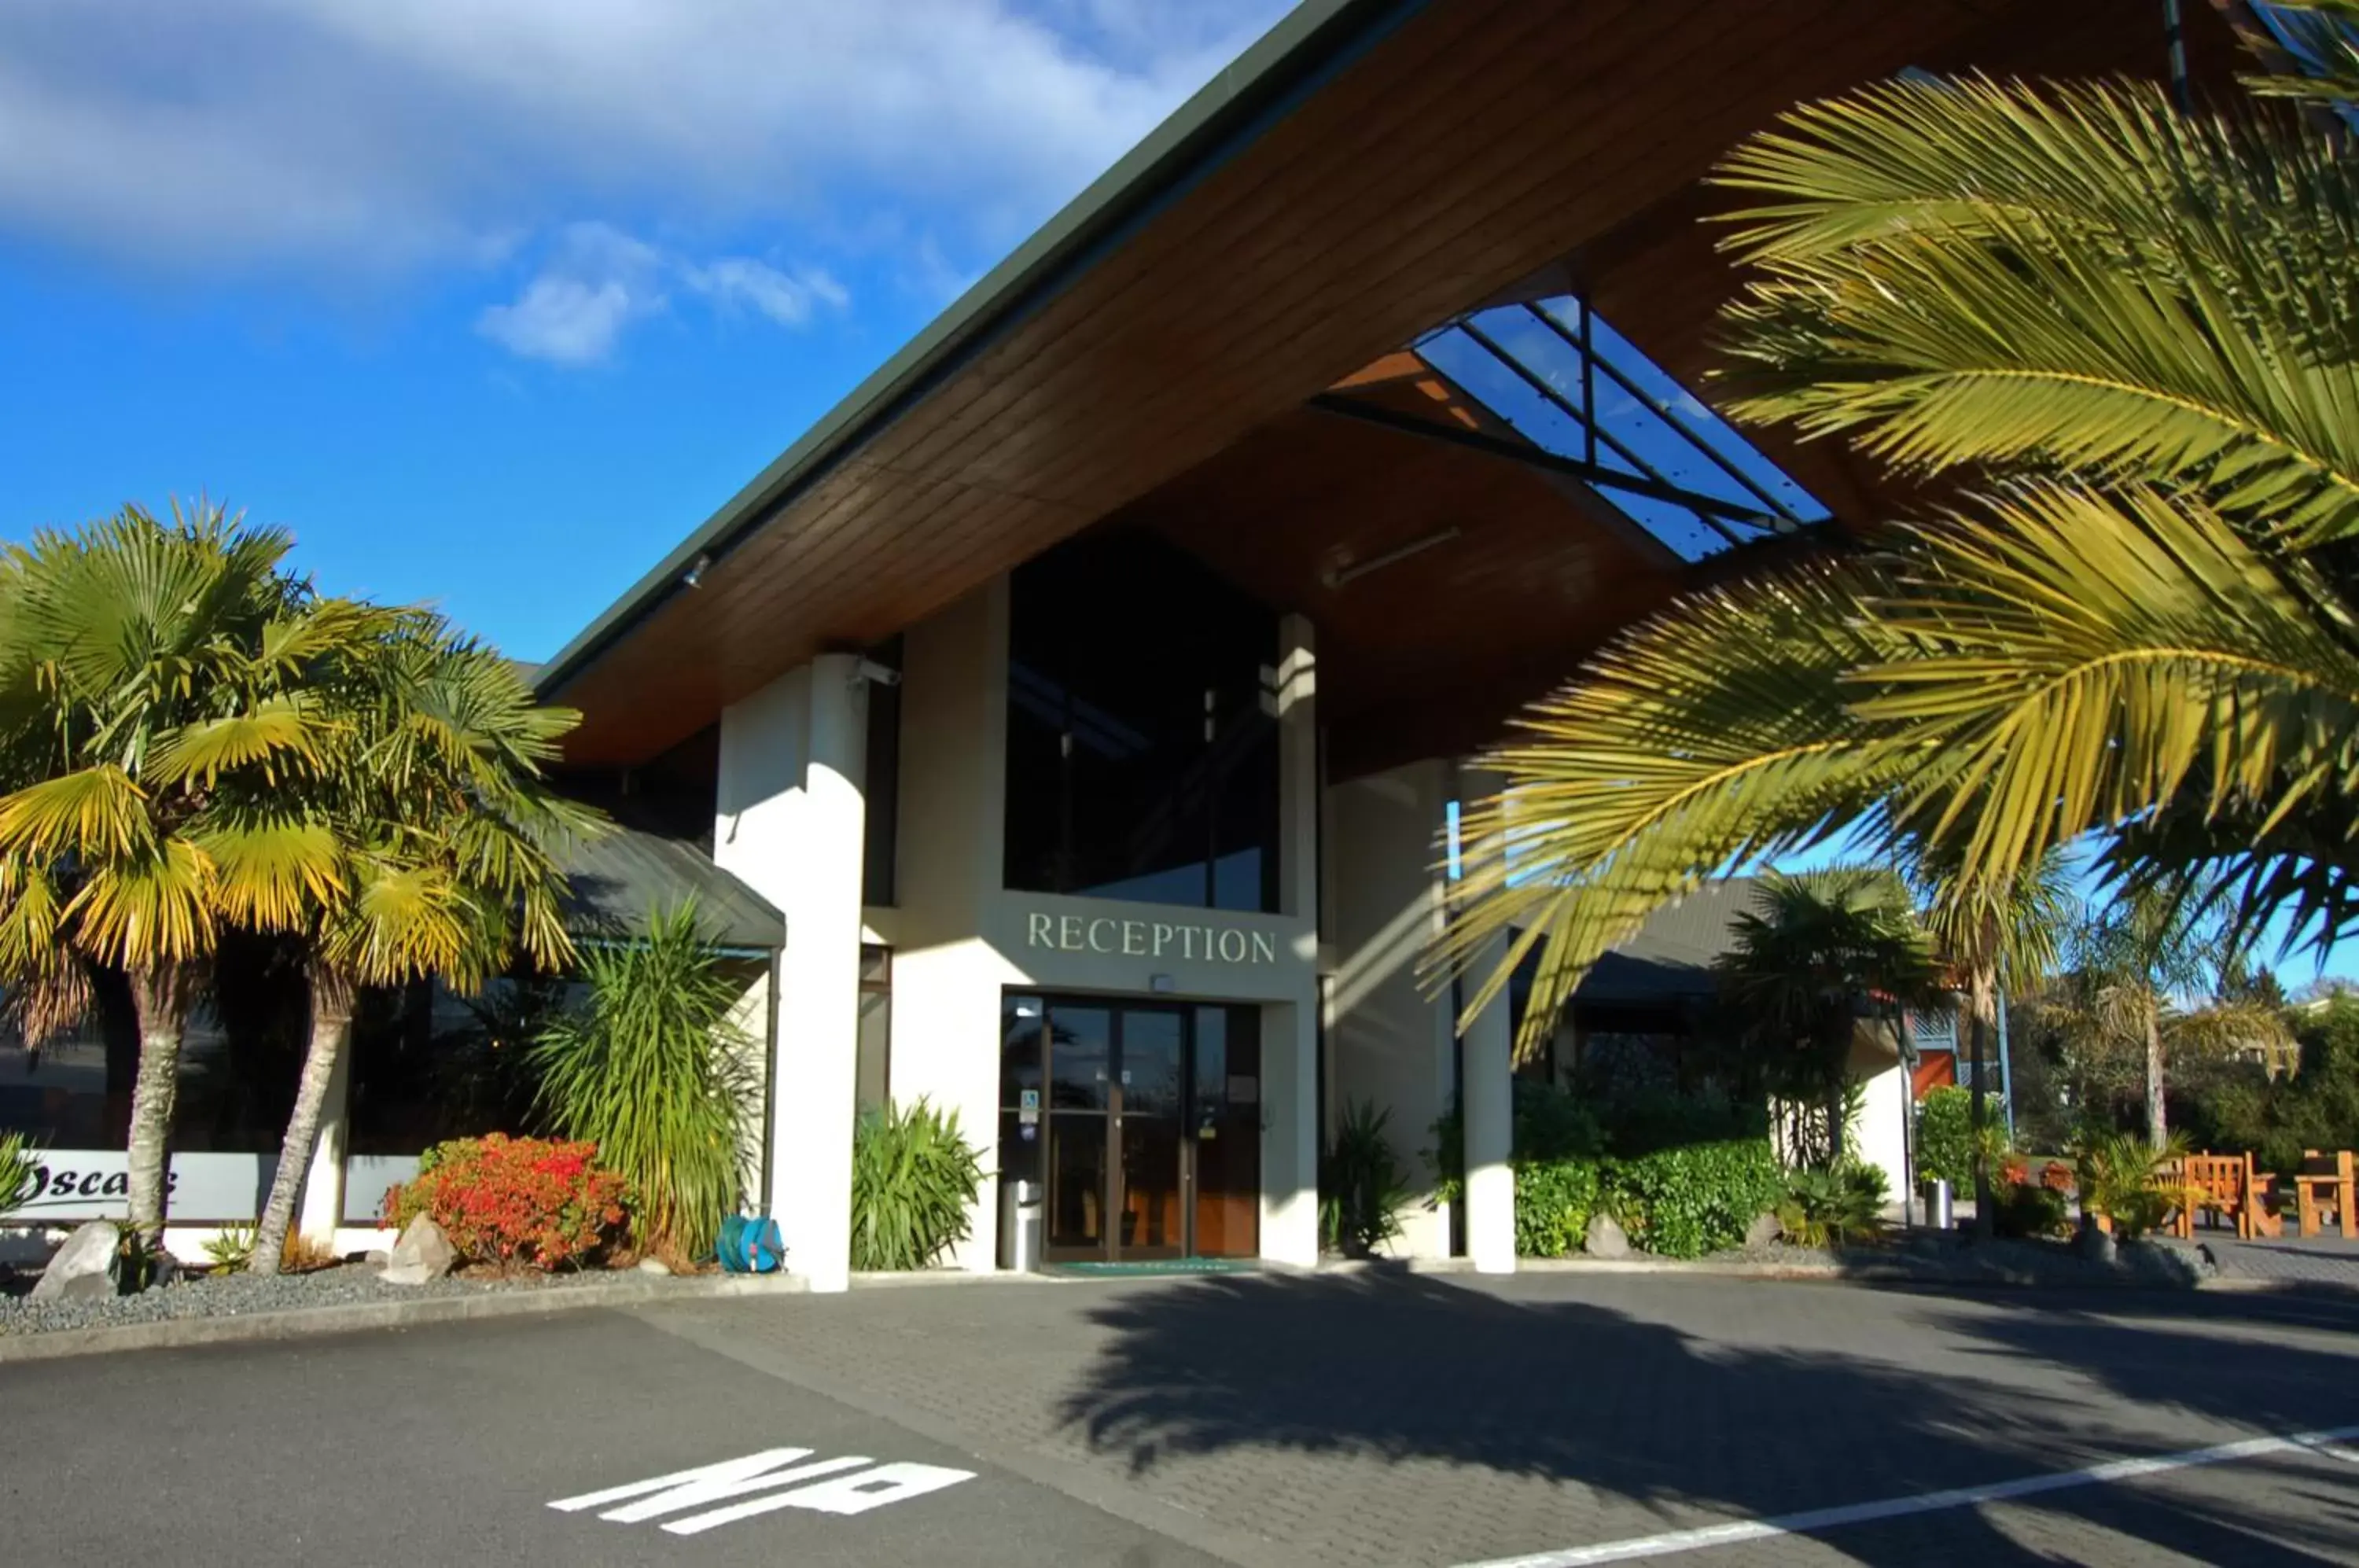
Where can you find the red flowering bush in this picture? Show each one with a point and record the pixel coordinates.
(516, 1200)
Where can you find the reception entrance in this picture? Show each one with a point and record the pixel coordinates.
(1140, 1121)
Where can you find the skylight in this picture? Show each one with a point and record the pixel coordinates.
(1563, 379)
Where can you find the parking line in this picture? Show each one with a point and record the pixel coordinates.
(1675, 1542)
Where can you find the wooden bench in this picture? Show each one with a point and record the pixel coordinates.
(2223, 1184)
(2324, 1183)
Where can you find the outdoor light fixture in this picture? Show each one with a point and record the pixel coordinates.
(1336, 576)
(694, 576)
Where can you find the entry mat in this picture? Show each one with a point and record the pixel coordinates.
(1144, 1267)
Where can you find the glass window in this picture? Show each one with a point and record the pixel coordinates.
(881, 785)
(1142, 750)
(873, 1078)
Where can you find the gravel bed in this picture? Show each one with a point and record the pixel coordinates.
(237, 1295)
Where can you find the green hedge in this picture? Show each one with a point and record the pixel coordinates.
(1945, 1137)
(1691, 1199)
(1554, 1199)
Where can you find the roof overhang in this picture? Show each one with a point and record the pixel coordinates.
(1369, 169)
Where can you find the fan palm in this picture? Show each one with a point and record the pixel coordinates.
(2133, 325)
(1821, 950)
(144, 666)
(444, 841)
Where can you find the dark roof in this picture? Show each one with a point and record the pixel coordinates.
(1670, 958)
(623, 875)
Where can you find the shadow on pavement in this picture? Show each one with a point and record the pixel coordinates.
(1395, 1366)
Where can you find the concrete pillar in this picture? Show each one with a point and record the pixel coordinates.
(321, 1207)
(1289, 1208)
(789, 823)
(1487, 1065)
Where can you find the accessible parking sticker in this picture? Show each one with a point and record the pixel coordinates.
(773, 1479)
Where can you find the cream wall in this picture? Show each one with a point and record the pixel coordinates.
(1388, 1042)
(960, 940)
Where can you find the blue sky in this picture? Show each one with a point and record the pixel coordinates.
(492, 301)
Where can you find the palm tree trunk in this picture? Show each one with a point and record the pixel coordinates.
(2158, 1126)
(331, 1019)
(160, 1007)
(1981, 990)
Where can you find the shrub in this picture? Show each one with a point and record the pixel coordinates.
(20, 1166)
(652, 1071)
(914, 1180)
(1554, 1199)
(516, 1200)
(1641, 1124)
(1361, 1184)
(2027, 1209)
(2120, 1179)
(1827, 1208)
(1945, 1137)
(1691, 1199)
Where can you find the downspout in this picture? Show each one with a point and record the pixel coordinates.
(2006, 1072)
(769, 1076)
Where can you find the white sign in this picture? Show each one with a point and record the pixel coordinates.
(74, 1184)
(1148, 938)
(366, 1179)
(852, 1485)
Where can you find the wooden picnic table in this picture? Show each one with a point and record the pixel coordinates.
(2324, 1182)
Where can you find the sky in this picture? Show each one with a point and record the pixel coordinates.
(491, 302)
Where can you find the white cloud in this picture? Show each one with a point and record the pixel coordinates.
(595, 280)
(333, 139)
(741, 282)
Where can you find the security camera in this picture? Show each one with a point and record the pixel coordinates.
(878, 674)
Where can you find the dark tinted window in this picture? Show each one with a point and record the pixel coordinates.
(1142, 753)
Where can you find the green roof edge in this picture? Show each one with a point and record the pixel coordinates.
(1310, 44)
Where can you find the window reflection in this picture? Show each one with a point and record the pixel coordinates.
(1142, 756)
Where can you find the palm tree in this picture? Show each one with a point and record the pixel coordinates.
(2004, 938)
(142, 666)
(2131, 967)
(2132, 327)
(445, 841)
(1823, 950)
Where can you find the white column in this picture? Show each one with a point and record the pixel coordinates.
(819, 1016)
(322, 1208)
(1289, 1164)
(790, 822)
(1487, 1065)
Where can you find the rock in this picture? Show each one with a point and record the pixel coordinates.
(2096, 1245)
(86, 1267)
(423, 1253)
(1606, 1238)
(163, 1269)
(654, 1266)
(1765, 1231)
(378, 1258)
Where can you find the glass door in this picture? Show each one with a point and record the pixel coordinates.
(1151, 1048)
(1140, 1120)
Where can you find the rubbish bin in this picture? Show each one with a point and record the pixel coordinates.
(1019, 1221)
(1937, 1204)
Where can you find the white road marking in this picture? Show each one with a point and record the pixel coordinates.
(843, 1494)
(1675, 1542)
(821, 1487)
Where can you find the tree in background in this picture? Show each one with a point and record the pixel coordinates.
(2134, 966)
(445, 840)
(2002, 938)
(2130, 327)
(144, 666)
(1822, 951)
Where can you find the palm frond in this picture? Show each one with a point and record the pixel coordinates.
(2075, 278)
(1715, 732)
(146, 909)
(269, 735)
(2081, 654)
(272, 871)
(92, 813)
